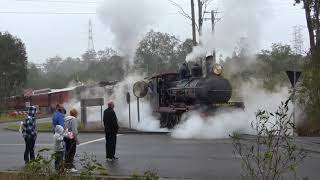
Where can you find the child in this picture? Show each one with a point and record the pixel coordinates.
(58, 146)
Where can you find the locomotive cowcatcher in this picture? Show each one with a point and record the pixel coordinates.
(172, 94)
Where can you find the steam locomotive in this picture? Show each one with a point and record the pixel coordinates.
(172, 94)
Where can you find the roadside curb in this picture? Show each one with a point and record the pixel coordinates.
(102, 132)
(14, 175)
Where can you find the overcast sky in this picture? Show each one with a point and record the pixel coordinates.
(48, 33)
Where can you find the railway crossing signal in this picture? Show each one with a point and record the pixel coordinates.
(293, 77)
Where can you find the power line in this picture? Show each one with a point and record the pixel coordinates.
(35, 12)
(60, 1)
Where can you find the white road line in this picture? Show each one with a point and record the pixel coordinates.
(89, 142)
(96, 140)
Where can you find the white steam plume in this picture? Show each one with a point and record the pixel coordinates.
(225, 123)
(147, 121)
(239, 19)
(127, 20)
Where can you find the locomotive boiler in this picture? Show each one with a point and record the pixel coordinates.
(172, 94)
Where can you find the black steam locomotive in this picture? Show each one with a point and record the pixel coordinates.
(172, 94)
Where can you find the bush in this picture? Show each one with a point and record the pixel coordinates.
(42, 167)
(147, 175)
(273, 153)
(91, 166)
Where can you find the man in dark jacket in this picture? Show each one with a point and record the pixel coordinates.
(111, 129)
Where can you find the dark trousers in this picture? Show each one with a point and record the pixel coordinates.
(71, 147)
(111, 141)
(29, 151)
(58, 157)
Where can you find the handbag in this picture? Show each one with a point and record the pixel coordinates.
(68, 134)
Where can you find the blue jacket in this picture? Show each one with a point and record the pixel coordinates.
(57, 119)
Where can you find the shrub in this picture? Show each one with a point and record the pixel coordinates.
(273, 153)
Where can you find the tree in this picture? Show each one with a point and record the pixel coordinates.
(107, 53)
(89, 56)
(35, 77)
(106, 69)
(184, 49)
(202, 7)
(267, 67)
(156, 53)
(312, 9)
(309, 93)
(13, 69)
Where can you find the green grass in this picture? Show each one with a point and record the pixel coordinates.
(46, 126)
(5, 118)
(41, 126)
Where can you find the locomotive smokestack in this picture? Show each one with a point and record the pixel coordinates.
(210, 60)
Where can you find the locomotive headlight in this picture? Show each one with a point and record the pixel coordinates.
(217, 69)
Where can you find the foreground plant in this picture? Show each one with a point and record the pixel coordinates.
(42, 167)
(147, 175)
(91, 166)
(273, 153)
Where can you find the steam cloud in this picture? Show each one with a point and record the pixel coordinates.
(127, 20)
(225, 123)
(239, 19)
(147, 121)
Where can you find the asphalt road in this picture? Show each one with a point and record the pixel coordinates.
(173, 158)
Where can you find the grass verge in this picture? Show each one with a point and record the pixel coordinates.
(41, 126)
(19, 117)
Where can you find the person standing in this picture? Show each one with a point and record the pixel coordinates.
(29, 132)
(58, 147)
(111, 129)
(71, 139)
(58, 117)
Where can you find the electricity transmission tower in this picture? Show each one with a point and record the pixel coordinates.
(90, 38)
(297, 39)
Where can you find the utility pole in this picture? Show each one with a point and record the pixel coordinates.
(200, 20)
(194, 37)
(213, 23)
(90, 38)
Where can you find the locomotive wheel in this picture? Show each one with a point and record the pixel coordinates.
(163, 120)
(169, 120)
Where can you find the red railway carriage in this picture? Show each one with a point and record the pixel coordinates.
(44, 98)
(17, 102)
(60, 96)
(47, 99)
